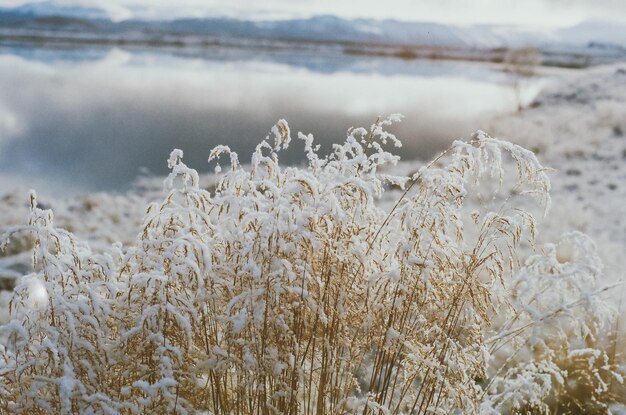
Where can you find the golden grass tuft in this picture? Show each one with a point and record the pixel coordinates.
(289, 290)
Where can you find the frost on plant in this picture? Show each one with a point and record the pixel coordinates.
(290, 290)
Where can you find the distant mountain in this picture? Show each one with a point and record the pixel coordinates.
(595, 33)
(326, 29)
(47, 16)
(46, 20)
(49, 9)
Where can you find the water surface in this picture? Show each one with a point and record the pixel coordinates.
(80, 120)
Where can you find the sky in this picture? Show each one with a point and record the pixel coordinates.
(528, 13)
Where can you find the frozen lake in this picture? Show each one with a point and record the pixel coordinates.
(76, 120)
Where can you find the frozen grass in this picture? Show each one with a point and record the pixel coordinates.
(289, 290)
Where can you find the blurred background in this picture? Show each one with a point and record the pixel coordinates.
(94, 95)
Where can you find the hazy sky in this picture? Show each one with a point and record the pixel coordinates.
(544, 13)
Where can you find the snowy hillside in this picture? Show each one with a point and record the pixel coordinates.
(603, 33)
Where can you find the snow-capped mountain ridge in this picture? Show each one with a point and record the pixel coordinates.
(48, 8)
(325, 28)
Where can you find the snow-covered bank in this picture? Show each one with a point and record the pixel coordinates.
(578, 128)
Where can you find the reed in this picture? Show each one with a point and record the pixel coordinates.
(290, 290)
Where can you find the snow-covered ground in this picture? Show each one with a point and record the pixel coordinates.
(578, 128)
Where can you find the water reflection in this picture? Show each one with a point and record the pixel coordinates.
(90, 124)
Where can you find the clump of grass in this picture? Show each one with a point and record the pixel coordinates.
(566, 362)
(289, 290)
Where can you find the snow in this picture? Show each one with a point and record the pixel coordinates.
(578, 128)
(160, 263)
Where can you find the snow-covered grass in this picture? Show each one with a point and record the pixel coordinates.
(292, 290)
